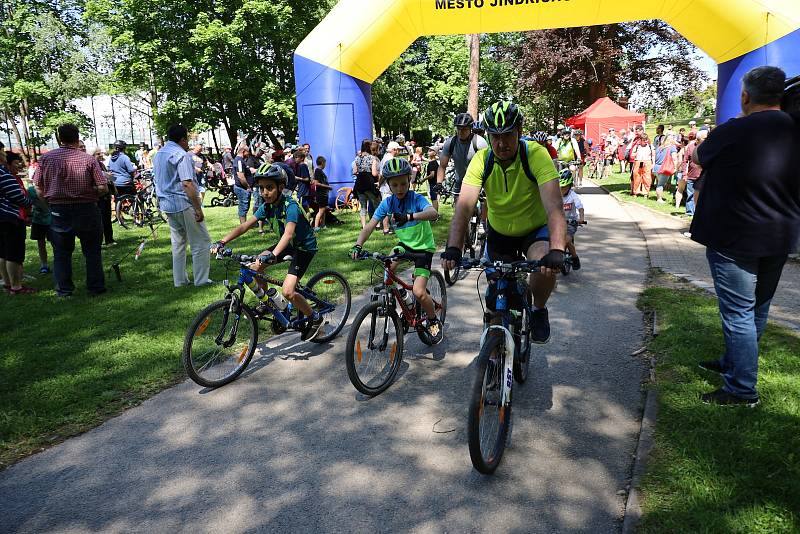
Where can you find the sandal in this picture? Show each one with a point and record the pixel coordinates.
(24, 290)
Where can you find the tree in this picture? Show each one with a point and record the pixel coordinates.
(570, 68)
(46, 68)
(211, 62)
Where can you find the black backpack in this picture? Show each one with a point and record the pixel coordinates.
(526, 167)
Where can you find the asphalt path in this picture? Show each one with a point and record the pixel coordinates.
(292, 447)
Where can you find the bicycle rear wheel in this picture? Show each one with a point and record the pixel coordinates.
(374, 349)
(488, 421)
(332, 288)
(220, 343)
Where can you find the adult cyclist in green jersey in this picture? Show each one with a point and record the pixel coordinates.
(526, 215)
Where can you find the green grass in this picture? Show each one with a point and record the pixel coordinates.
(719, 469)
(619, 185)
(68, 365)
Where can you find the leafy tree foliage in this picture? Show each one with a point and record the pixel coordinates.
(210, 62)
(46, 67)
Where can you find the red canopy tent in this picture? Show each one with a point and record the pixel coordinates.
(602, 115)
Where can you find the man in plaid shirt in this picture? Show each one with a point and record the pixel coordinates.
(71, 181)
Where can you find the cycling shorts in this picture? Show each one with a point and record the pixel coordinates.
(422, 260)
(301, 260)
(501, 247)
(572, 227)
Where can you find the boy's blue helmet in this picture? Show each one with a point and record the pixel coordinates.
(396, 167)
(271, 172)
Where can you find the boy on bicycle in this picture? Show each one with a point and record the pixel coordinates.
(297, 238)
(573, 212)
(412, 213)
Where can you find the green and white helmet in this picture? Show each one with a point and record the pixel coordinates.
(396, 167)
(502, 117)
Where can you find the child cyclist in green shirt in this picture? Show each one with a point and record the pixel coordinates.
(297, 238)
(412, 214)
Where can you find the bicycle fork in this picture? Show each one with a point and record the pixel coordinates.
(385, 338)
(507, 376)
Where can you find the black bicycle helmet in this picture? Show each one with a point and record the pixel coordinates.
(540, 137)
(396, 167)
(120, 144)
(502, 117)
(269, 171)
(463, 120)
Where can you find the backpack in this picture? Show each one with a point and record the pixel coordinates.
(526, 167)
(449, 145)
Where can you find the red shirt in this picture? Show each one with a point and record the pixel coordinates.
(68, 175)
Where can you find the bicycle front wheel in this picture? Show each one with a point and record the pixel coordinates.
(452, 276)
(220, 343)
(332, 288)
(374, 349)
(489, 420)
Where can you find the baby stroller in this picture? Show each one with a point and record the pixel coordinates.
(223, 186)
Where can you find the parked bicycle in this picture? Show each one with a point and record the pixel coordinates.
(141, 207)
(504, 355)
(222, 338)
(374, 348)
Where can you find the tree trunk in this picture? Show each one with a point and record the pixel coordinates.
(474, 74)
(17, 135)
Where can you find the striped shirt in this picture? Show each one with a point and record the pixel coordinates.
(12, 196)
(68, 175)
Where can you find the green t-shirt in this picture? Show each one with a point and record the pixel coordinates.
(513, 200)
(38, 215)
(416, 235)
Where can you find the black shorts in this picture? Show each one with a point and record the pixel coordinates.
(509, 248)
(301, 259)
(40, 231)
(12, 241)
(423, 260)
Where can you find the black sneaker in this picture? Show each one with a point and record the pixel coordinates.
(712, 365)
(541, 326)
(576, 263)
(435, 330)
(721, 397)
(313, 328)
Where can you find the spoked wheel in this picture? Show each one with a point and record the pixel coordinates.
(374, 349)
(331, 287)
(122, 209)
(220, 343)
(567, 267)
(438, 292)
(488, 421)
(522, 339)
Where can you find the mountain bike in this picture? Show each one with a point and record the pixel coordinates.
(222, 338)
(374, 348)
(504, 356)
(473, 242)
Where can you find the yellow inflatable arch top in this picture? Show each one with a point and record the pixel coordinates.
(336, 64)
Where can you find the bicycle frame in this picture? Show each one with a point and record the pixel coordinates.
(391, 281)
(247, 275)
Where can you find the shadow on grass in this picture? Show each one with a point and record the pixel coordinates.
(720, 469)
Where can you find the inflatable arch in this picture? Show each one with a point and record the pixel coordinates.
(338, 61)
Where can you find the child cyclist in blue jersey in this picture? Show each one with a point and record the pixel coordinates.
(285, 216)
(412, 214)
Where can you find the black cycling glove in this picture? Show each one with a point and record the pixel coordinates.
(402, 218)
(452, 254)
(438, 189)
(355, 252)
(269, 257)
(553, 259)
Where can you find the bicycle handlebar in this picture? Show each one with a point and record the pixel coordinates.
(245, 259)
(367, 255)
(505, 267)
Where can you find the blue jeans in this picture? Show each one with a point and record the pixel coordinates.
(243, 196)
(745, 287)
(84, 222)
(689, 197)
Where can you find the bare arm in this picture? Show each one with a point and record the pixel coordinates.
(366, 232)
(440, 173)
(375, 170)
(464, 209)
(554, 206)
(428, 214)
(242, 180)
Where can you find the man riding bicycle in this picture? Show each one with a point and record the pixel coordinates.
(525, 207)
(461, 147)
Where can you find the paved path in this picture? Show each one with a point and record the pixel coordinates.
(291, 447)
(676, 254)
